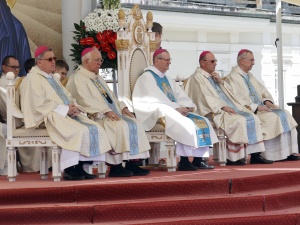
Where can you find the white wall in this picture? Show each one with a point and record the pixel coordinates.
(186, 35)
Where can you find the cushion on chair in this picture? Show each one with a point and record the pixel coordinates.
(22, 132)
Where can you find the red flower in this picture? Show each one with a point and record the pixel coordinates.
(82, 42)
(104, 43)
(111, 40)
(107, 48)
(108, 33)
(89, 40)
(111, 55)
(96, 45)
(100, 37)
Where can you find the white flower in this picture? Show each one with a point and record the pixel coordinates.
(101, 20)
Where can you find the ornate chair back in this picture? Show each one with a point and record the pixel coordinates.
(135, 45)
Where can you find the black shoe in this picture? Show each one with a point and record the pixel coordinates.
(293, 158)
(186, 166)
(71, 174)
(235, 163)
(202, 165)
(260, 160)
(79, 169)
(87, 175)
(119, 171)
(136, 170)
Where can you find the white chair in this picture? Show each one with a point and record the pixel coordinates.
(135, 46)
(21, 137)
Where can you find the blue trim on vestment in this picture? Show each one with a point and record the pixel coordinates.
(255, 99)
(250, 120)
(133, 133)
(203, 133)
(93, 130)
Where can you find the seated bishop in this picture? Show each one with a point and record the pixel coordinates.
(46, 103)
(158, 96)
(126, 135)
(214, 99)
(278, 126)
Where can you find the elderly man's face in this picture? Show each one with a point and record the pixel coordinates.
(47, 62)
(12, 66)
(247, 62)
(209, 63)
(162, 62)
(94, 62)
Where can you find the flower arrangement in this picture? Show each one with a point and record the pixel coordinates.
(98, 29)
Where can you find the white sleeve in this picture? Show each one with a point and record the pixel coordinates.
(62, 110)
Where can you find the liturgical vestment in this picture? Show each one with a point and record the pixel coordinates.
(45, 100)
(152, 102)
(240, 129)
(126, 136)
(278, 126)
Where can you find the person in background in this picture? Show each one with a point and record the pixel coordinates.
(62, 68)
(158, 29)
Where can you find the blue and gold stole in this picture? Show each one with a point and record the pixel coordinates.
(251, 130)
(202, 129)
(256, 99)
(93, 130)
(133, 133)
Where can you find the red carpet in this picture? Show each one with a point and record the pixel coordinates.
(241, 195)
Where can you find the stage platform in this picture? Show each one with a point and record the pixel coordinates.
(250, 194)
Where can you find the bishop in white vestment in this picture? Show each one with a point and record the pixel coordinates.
(278, 126)
(45, 101)
(155, 96)
(213, 99)
(126, 135)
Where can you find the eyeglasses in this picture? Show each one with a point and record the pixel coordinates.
(14, 67)
(98, 60)
(167, 60)
(50, 59)
(211, 61)
(251, 60)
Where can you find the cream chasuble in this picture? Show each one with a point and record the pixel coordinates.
(278, 126)
(151, 103)
(272, 124)
(238, 128)
(41, 96)
(91, 91)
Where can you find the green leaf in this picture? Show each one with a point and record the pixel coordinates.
(77, 27)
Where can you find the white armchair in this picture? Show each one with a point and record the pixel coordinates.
(21, 137)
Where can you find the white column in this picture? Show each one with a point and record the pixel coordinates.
(72, 12)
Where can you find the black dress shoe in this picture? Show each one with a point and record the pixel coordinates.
(235, 163)
(186, 166)
(119, 171)
(260, 160)
(204, 166)
(87, 175)
(293, 158)
(136, 170)
(70, 174)
(79, 169)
